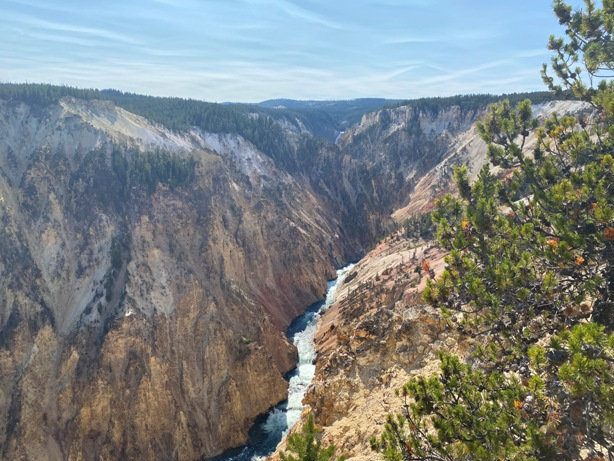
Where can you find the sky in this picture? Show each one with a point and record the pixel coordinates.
(253, 50)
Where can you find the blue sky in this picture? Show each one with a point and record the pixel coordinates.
(251, 50)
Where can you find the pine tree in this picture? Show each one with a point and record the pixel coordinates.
(530, 276)
(307, 445)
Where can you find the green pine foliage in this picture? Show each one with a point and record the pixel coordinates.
(42, 94)
(473, 102)
(419, 227)
(307, 446)
(252, 123)
(111, 179)
(258, 124)
(530, 276)
(158, 167)
(465, 413)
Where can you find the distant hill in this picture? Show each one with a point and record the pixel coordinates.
(323, 119)
(345, 113)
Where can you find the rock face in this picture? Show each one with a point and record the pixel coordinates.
(403, 144)
(147, 279)
(378, 333)
(466, 148)
(376, 336)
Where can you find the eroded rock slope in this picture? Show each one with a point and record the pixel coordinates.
(147, 279)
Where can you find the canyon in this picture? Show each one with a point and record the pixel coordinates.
(149, 272)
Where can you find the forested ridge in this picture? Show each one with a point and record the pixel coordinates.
(173, 113)
(343, 113)
(255, 122)
(472, 102)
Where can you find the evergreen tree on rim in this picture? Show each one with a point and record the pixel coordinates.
(530, 276)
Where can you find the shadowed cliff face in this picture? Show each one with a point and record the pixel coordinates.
(402, 144)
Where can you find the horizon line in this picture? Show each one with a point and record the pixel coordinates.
(261, 101)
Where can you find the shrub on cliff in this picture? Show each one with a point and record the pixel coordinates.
(307, 445)
(530, 275)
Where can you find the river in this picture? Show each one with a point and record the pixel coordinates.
(270, 428)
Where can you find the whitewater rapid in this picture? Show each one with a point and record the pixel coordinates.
(275, 425)
(283, 419)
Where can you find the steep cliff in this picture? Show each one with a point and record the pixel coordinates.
(147, 278)
(403, 144)
(466, 148)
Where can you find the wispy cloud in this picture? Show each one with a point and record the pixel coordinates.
(409, 39)
(69, 39)
(33, 22)
(296, 11)
(532, 53)
(250, 50)
(42, 5)
(449, 36)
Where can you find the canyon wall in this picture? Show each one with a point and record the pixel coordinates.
(379, 333)
(142, 315)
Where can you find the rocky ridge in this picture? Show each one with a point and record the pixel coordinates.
(467, 148)
(377, 335)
